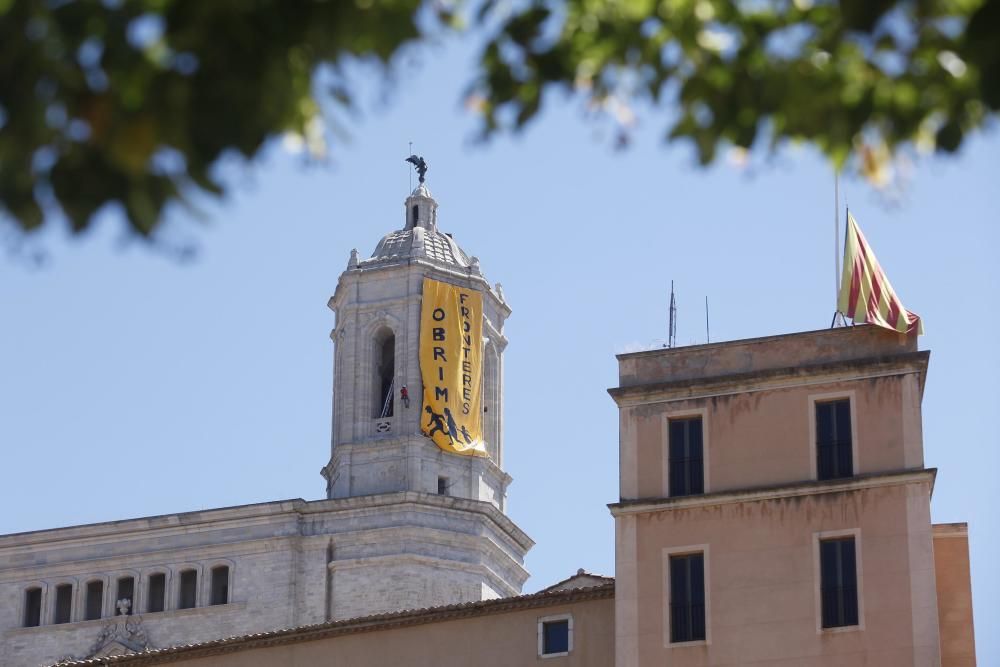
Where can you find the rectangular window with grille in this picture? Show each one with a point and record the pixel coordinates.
(838, 582)
(687, 598)
(833, 440)
(686, 467)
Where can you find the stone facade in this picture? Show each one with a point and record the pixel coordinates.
(405, 525)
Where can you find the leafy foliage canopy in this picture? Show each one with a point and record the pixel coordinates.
(135, 101)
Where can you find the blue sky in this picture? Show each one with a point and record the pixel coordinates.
(135, 384)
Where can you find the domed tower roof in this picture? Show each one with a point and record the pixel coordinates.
(419, 238)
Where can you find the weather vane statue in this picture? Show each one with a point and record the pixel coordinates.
(420, 164)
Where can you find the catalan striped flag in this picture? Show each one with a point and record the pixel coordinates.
(865, 292)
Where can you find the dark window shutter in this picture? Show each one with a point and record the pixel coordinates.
(686, 465)
(835, 458)
(697, 596)
(687, 598)
(838, 583)
(849, 582)
(845, 463)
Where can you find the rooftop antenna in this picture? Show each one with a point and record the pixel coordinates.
(672, 326)
(708, 336)
(410, 170)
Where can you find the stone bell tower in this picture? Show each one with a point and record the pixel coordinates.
(433, 521)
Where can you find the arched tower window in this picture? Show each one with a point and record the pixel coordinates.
(385, 372)
(156, 596)
(94, 604)
(491, 402)
(220, 584)
(33, 607)
(416, 215)
(125, 591)
(64, 603)
(187, 595)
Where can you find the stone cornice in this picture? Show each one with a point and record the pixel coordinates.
(235, 516)
(354, 626)
(244, 516)
(396, 541)
(418, 499)
(378, 445)
(426, 266)
(770, 379)
(142, 559)
(479, 569)
(763, 494)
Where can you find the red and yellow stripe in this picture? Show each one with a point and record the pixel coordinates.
(865, 292)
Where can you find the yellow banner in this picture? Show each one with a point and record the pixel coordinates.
(451, 364)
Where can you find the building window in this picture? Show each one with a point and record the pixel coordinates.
(33, 607)
(686, 466)
(443, 486)
(220, 584)
(94, 606)
(838, 582)
(64, 603)
(415, 209)
(385, 372)
(188, 593)
(124, 596)
(157, 592)
(687, 598)
(833, 440)
(555, 635)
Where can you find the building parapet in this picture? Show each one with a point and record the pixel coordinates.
(772, 378)
(244, 516)
(752, 356)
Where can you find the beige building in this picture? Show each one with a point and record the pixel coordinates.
(774, 510)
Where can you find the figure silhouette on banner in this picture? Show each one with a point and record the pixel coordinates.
(436, 422)
(452, 427)
(466, 434)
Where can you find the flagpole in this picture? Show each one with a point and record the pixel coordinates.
(836, 235)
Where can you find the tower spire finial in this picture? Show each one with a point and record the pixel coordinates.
(420, 164)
